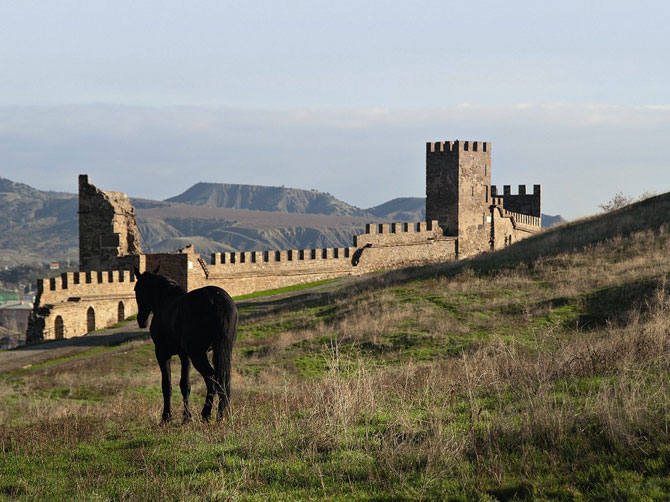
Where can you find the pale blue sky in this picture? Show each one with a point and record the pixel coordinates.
(573, 95)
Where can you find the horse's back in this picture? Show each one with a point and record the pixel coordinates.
(208, 308)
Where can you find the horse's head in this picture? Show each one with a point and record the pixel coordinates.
(144, 295)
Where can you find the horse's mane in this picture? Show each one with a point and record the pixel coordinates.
(168, 285)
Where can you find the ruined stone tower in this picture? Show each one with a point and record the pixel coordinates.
(107, 227)
(458, 177)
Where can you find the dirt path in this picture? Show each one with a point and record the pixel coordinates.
(24, 357)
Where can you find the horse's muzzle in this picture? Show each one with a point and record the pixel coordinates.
(142, 320)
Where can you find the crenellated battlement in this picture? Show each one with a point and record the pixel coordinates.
(76, 284)
(382, 246)
(507, 190)
(274, 257)
(457, 146)
(520, 219)
(390, 232)
(521, 202)
(397, 233)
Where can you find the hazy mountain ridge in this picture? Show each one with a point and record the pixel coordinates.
(401, 209)
(42, 226)
(36, 225)
(266, 198)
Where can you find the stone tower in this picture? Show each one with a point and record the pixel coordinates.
(107, 227)
(458, 178)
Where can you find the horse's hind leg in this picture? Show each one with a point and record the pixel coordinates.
(201, 363)
(185, 385)
(224, 399)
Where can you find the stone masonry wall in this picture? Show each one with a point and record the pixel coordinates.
(72, 296)
(474, 198)
(522, 202)
(107, 227)
(458, 177)
(508, 228)
(173, 265)
(382, 247)
(442, 181)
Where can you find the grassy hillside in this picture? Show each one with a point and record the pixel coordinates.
(536, 373)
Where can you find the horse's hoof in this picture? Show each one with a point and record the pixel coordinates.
(165, 419)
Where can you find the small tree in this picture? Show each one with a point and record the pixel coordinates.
(617, 202)
(648, 195)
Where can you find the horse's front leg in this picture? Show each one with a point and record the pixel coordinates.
(164, 364)
(185, 385)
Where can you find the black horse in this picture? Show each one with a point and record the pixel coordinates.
(189, 325)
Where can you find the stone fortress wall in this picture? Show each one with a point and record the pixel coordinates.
(465, 216)
(81, 302)
(107, 227)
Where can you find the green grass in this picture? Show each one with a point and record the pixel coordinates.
(286, 289)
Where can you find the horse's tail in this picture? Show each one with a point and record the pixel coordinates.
(223, 345)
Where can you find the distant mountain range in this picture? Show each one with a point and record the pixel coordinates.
(263, 198)
(39, 226)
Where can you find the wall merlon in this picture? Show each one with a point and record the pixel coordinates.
(522, 190)
(458, 146)
(442, 147)
(480, 146)
(283, 257)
